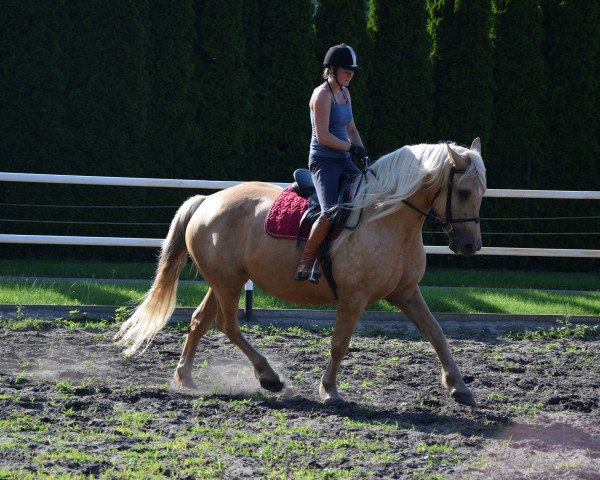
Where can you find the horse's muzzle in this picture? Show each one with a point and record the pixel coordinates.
(466, 247)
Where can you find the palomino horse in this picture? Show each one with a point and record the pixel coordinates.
(382, 258)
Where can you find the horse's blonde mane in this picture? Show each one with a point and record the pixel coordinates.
(399, 174)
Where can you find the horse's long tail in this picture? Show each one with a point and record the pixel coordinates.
(159, 303)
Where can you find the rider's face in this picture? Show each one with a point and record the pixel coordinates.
(344, 76)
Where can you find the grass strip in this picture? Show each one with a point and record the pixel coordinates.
(437, 277)
(439, 299)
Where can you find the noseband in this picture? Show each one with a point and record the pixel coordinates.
(448, 225)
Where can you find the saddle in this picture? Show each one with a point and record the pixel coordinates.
(304, 187)
(297, 208)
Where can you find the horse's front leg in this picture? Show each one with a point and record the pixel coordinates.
(416, 310)
(345, 323)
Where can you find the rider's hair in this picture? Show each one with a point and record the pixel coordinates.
(329, 72)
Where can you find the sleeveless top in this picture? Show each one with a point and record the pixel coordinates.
(340, 116)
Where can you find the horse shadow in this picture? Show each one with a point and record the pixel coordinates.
(414, 420)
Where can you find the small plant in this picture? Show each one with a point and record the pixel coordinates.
(64, 387)
(121, 314)
(128, 389)
(367, 384)
(527, 408)
(22, 323)
(68, 411)
(20, 378)
(554, 333)
(11, 398)
(498, 396)
(439, 454)
(135, 419)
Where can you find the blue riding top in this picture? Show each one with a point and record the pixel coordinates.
(340, 116)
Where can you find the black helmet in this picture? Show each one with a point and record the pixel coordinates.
(341, 56)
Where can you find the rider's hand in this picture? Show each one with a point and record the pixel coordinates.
(358, 152)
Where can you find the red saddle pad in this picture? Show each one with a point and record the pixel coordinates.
(284, 216)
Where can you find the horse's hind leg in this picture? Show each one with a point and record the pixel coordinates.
(414, 307)
(227, 322)
(201, 322)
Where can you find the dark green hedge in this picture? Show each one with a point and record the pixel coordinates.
(219, 89)
(402, 85)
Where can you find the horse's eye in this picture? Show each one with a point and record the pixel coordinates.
(465, 194)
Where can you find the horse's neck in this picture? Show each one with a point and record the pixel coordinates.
(403, 225)
(410, 219)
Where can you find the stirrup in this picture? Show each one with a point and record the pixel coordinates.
(308, 272)
(314, 274)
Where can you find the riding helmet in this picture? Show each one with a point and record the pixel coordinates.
(341, 55)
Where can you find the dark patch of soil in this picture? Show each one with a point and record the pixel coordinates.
(537, 416)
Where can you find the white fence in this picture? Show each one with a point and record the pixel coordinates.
(219, 185)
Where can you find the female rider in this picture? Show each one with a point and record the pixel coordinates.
(334, 140)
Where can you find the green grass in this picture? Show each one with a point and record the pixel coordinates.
(459, 291)
(555, 333)
(439, 277)
(512, 279)
(439, 299)
(80, 269)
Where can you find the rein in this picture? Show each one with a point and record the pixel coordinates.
(448, 225)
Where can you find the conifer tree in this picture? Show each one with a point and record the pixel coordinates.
(222, 84)
(518, 133)
(108, 86)
(253, 161)
(571, 51)
(401, 85)
(287, 73)
(173, 133)
(462, 69)
(345, 21)
(33, 138)
(32, 87)
(107, 106)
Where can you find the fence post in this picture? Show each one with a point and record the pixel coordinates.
(248, 299)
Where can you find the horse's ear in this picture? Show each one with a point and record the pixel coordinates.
(476, 145)
(456, 158)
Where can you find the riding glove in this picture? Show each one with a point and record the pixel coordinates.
(358, 152)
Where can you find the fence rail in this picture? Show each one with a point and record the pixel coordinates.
(219, 185)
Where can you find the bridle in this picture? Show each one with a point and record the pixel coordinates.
(448, 225)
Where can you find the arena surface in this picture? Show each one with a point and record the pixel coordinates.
(66, 388)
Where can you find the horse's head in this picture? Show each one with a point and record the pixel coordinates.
(457, 205)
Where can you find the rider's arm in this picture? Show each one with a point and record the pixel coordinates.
(353, 134)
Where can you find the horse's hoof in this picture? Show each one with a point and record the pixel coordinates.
(334, 401)
(464, 398)
(272, 385)
(330, 398)
(183, 384)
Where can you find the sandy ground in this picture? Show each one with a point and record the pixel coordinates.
(537, 416)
